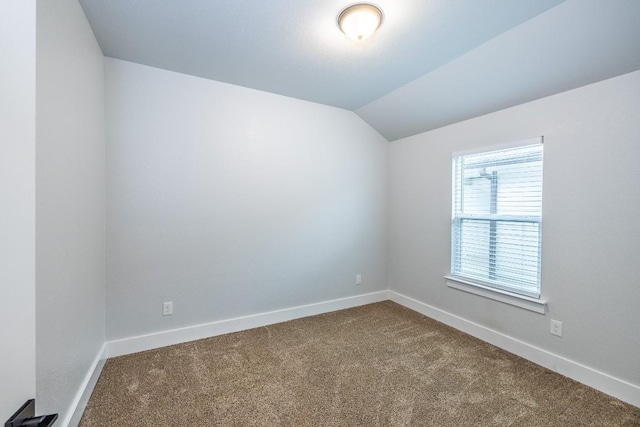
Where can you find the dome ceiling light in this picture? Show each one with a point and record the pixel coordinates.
(359, 21)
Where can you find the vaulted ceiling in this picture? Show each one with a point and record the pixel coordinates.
(432, 63)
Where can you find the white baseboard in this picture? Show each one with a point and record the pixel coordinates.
(196, 332)
(79, 403)
(612, 386)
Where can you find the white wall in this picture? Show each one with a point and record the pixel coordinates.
(70, 205)
(591, 239)
(230, 201)
(17, 195)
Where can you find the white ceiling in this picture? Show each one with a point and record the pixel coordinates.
(433, 62)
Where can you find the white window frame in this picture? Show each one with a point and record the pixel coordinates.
(491, 290)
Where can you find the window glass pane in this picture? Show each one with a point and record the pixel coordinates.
(517, 255)
(474, 249)
(477, 193)
(519, 189)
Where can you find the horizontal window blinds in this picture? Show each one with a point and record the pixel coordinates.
(497, 212)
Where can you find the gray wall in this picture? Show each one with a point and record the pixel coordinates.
(591, 237)
(70, 203)
(17, 195)
(230, 201)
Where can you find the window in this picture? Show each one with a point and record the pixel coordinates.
(497, 213)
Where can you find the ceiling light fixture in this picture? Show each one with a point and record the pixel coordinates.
(359, 21)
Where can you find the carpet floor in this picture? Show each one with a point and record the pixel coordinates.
(375, 365)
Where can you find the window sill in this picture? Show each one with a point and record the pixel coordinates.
(531, 304)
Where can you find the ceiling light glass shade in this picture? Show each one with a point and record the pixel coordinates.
(360, 21)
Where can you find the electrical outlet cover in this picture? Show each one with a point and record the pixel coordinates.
(167, 308)
(556, 328)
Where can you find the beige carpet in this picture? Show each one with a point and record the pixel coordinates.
(376, 365)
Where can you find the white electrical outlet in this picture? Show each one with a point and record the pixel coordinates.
(167, 308)
(556, 327)
(358, 279)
